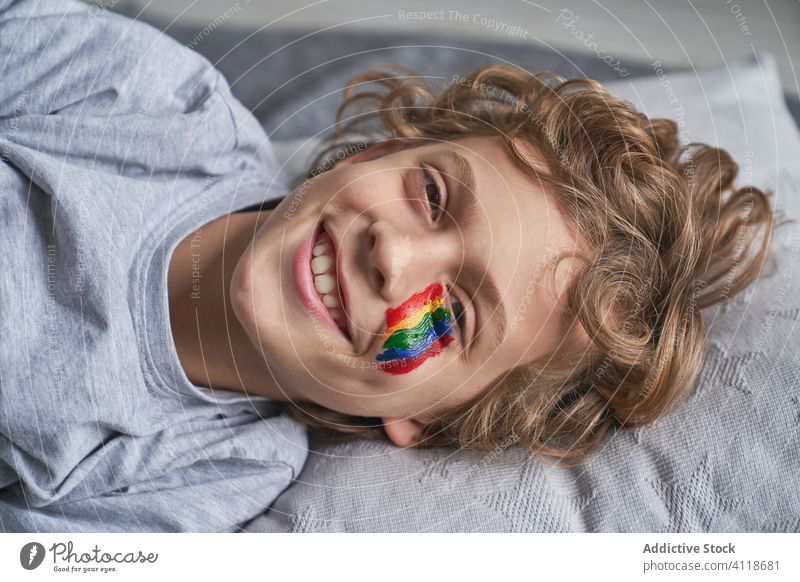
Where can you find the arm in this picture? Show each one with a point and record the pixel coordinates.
(214, 472)
(208, 496)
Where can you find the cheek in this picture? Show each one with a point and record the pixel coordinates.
(435, 386)
(359, 188)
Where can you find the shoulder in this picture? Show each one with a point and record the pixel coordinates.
(62, 50)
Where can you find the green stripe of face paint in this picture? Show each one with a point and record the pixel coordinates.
(405, 338)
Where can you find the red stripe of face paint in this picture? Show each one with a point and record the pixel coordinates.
(418, 300)
(408, 364)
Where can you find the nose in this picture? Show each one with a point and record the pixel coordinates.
(403, 262)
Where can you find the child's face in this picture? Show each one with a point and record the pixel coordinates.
(465, 284)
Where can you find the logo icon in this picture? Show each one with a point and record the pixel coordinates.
(31, 555)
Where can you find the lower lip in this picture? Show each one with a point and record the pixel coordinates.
(305, 282)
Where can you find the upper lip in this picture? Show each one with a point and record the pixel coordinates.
(341, 284)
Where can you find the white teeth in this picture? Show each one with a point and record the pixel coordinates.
(322, 264)
(330, 300)
(320, 249)
(323, 267)
(324, 284)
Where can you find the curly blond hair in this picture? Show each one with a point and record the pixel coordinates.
(661, 242)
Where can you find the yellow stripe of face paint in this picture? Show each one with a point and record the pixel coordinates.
(416, 317)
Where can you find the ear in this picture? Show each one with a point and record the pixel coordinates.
(404, 432)
(375, 150)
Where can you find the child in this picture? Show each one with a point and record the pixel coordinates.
(521, 261)
(572, 241)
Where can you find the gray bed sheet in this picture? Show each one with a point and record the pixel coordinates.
(292, 79)
(726, 461)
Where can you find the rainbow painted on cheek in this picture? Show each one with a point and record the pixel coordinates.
(417, 330)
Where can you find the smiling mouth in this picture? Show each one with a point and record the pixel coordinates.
(326, 281)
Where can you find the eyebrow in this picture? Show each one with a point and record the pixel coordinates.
(461, 170)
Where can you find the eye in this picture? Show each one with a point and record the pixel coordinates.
(459, 314)
(433, 193)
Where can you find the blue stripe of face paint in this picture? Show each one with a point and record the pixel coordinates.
(440, 328)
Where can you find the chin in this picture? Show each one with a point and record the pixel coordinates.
(248, 295)
(241, 293)
(261, 300)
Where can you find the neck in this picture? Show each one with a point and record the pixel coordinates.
(212, 347)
